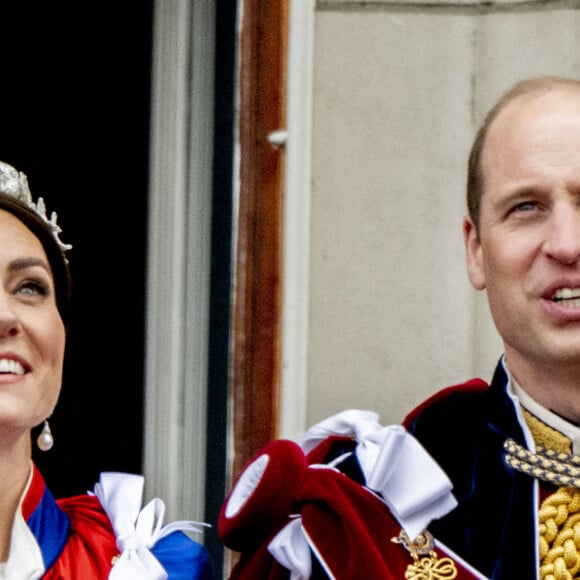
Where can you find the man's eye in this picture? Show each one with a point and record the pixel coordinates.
(525, 206)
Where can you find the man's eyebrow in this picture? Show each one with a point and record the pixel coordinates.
(517, 195)
(23, 263)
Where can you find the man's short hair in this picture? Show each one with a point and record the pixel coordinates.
(532, 86)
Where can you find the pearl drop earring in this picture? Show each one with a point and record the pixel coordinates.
(45, 440)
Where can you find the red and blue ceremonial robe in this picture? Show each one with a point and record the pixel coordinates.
(101, 535)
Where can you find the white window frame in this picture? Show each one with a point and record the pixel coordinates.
(296, 266)
(179, 230)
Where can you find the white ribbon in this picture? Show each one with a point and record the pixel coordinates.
(291, 549)
(411, 482)
(137, 530)
(395, 464)
(352, 423)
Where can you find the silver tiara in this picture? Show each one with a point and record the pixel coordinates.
(15, 184)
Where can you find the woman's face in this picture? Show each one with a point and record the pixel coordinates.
(32, 333)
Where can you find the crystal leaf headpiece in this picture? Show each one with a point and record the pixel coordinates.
(15, 184)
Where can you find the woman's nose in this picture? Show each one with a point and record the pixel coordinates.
(563, 237)
(9, 325)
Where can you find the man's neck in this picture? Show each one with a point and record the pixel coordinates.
(555, 388)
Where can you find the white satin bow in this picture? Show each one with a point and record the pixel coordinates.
(137, 530)
(362, 425)
(395, 464)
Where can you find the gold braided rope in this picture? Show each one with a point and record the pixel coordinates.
(559, 514)
(547, 465)
(559, 534)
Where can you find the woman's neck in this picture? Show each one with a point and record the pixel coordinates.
(15, 466)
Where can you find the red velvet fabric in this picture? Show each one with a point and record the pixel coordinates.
(271, 501)
(350, 527)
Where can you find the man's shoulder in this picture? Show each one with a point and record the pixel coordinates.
(462, 399)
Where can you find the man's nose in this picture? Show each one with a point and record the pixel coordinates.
(563, 237)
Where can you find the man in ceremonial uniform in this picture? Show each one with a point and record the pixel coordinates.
(487, 477)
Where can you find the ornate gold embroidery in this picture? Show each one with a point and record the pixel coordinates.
(559, 514)
(429, 567)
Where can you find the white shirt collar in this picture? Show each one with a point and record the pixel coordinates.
(548, 417)
(25, 560)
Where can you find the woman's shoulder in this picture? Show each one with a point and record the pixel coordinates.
(113, 536)
(91, 546)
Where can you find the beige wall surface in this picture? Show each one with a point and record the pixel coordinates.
(397, 94)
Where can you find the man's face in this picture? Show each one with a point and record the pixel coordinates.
(527, 254)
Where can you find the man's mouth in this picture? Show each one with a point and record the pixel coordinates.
(567, 297)
(11, 367)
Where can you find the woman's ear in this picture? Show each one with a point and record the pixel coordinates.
(473, 254)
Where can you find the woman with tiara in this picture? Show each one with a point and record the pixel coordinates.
(103, 534)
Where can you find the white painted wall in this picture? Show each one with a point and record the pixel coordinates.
(396, 95)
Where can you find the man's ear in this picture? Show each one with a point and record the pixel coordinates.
(473, 254)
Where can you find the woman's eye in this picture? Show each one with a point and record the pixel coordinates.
(33, 288)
